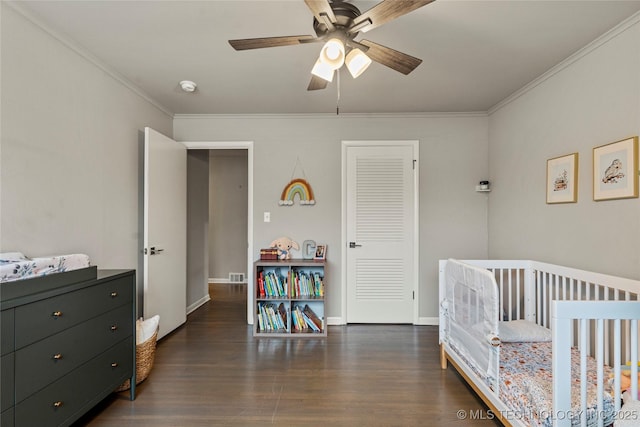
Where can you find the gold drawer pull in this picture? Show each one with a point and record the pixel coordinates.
(57, 356)
(56, 314)
(114, 294)
(114, 328)
(114, 365)
(58, 404)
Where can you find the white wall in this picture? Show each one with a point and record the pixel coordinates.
(197, 228)
(69, 141)
(453, 158)
(590, 101)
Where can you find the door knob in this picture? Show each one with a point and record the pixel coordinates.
(153, 250)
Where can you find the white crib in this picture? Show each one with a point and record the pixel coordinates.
(594, 313)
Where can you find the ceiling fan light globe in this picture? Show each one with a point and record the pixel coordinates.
(332, 53)
(322, 70)
(357, 62)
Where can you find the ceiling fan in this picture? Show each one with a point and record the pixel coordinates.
(338, 23)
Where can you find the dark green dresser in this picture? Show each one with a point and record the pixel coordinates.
(67, 342)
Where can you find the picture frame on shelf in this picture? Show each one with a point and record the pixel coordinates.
(321, 252)
(562, 179)
(615, 170)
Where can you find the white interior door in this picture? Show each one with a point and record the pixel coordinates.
(165, 231)
(380, 231)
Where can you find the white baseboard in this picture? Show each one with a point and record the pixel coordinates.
(225, 281)
(429, 321)
(335, 321)
(196, 305)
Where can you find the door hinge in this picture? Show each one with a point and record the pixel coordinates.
(414, 164)
(414, 295)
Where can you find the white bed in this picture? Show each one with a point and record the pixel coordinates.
(16, 266)
(576, 330)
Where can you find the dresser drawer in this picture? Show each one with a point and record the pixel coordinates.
(47, 317)
(39, 364)
(6, 382)
(6, 331)
(65, 400)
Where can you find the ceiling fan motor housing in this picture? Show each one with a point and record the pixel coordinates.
(345, 14)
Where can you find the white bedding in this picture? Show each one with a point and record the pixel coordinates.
(16, 266)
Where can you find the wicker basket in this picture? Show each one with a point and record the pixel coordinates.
(145, 354)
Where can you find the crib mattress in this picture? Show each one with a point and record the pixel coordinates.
(15, 266)
(526, 385)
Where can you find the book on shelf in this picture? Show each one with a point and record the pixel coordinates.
(315, 320)
(271, 284)
(305, 319)
(261, 289)
(272, 318)
(306, 284)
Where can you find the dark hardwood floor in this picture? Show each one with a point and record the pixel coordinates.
(212, 372)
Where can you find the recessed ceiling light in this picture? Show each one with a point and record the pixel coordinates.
(188, 85)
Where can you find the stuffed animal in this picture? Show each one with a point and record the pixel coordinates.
(625, 377)
(284, 245)
(625, 381)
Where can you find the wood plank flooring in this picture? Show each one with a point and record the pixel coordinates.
(212, 372)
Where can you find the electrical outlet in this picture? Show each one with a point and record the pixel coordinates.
(267, 217)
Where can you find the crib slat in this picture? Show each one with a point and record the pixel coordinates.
(561, 348)
(617, 342)
(545, 300)
(539, 298)
(518, 316)
(600, 368)
(509, 285)
(627, 329)
(634, 359)
(583, 370)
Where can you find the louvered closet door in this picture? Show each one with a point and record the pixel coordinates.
(380, 232)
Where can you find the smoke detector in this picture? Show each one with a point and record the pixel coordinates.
(188, 86)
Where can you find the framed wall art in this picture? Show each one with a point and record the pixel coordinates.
(615, 170)
(562, 179)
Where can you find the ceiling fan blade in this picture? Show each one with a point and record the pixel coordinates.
(391, 58)
(317, 83)
(321, 9)
(259, 43)
(384, 12)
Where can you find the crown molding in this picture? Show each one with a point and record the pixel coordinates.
(84, 53)
(325, 116)
(586, 50)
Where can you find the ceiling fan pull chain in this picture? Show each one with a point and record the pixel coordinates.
(338, 99)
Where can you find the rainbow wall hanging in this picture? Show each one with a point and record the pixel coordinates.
(299, 187)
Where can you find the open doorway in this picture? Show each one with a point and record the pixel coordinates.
(219, 218)
(228, 201)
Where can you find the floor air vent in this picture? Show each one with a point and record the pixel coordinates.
(236, 278)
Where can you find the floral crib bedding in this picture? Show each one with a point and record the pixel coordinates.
(16, 266)
(526, 385)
